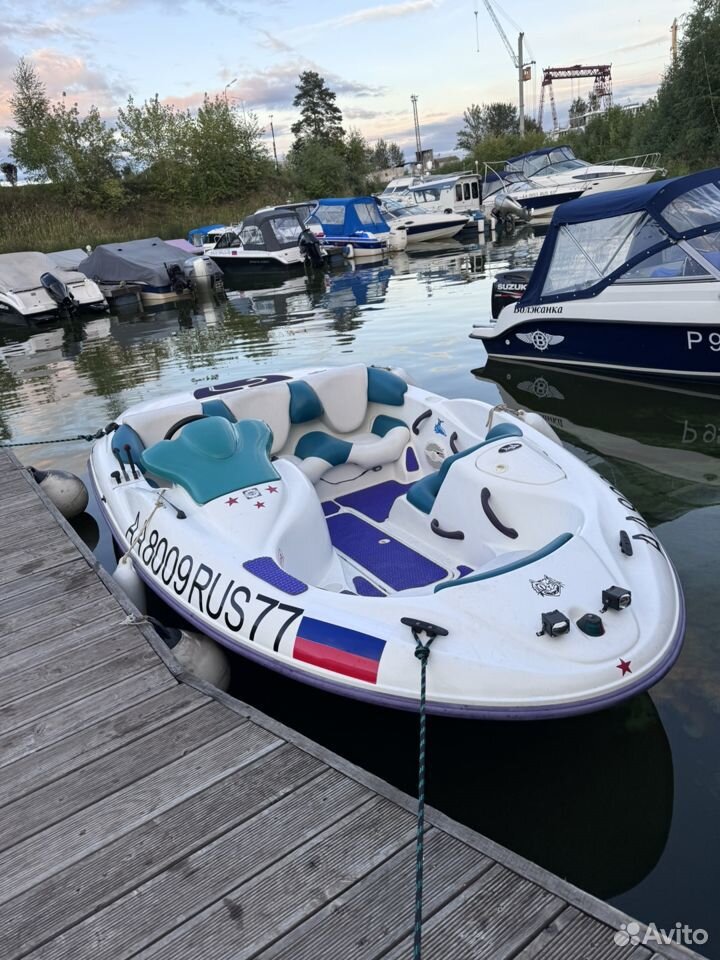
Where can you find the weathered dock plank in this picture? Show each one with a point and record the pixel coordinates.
(145, 814)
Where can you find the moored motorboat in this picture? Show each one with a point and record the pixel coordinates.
(34, 287)
(318, 521)
(421, 224)
(163, 272)
(272, 241)
(628, 281)
(356, 226)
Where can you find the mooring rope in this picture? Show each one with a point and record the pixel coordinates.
(140, 534)
(36, 443)
(422, 653)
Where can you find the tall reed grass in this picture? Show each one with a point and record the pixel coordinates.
(36, 218)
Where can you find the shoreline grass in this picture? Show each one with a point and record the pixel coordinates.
(36, 218)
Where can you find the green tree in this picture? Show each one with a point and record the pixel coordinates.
(320, 117)
(380, 155)
(395, 155)
(33, 137)
(155, 139)
(499, 119)
(576, 113)
(10, 172)
(318, 169)
(226, 152)
(473, 132)
(358, 161)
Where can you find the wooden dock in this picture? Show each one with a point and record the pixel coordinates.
(145, 814)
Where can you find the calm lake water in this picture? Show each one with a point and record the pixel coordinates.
(622, 803)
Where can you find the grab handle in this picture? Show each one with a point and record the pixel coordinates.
(419, 420)
(490, 514)
(448, 534)
(453, 441)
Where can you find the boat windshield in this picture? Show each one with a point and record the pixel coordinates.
(587, 253)
(286, 230)
(559, 160)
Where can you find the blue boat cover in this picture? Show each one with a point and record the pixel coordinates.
(344, 216)
(696, 212)
(203, 231)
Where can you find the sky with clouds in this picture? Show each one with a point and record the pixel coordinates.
(373, 54)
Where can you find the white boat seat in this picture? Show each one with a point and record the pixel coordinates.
(316, 452)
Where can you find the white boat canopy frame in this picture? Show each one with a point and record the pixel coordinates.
(661, 231)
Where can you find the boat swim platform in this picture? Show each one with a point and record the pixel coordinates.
(143, 813)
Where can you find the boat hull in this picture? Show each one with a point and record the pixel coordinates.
(681, 350)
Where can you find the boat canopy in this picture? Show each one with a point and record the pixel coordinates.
(136, 261)
(22, 271)
(202, 232)
(68, 259)
(669, 229)
(345, 216)
(270, 230)
(547, 160)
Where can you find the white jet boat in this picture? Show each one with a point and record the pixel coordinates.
(317, 521)
(34, 287)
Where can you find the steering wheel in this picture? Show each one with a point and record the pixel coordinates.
(183, 423)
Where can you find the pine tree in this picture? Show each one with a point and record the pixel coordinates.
(320, 117)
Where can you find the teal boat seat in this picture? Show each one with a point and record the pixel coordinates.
(213, 457)
(383, 386)
(423, 492)
(324, 447)
(540, 554)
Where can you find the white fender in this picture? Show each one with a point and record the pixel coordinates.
(539, 423)
(127, 578)
(65, 490)
(204, 658)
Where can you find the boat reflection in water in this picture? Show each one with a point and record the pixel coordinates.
(657, 443)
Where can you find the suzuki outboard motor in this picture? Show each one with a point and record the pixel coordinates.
(507, 288)
(311, 249)
(59, 292)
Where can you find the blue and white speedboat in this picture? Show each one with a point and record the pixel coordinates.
(627, 280)
(356, 226)
(317, 520)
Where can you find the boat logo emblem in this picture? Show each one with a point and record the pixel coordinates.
(547, 587)
(439, 428)
(251, 493)
(540, 340)
(541, 388)
(509, 446)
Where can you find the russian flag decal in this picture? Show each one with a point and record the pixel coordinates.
(339, 649)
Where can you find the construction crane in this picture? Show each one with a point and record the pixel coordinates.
(524, 70)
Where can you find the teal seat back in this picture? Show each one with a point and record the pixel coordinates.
(213, 457)
(423, 492)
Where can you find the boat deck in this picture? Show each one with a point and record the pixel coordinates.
(143, 813)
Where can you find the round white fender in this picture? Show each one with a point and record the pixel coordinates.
(539, 423)
(65, 490)
(200, 655)
(203, 658)
(348, 251)
(127, 578)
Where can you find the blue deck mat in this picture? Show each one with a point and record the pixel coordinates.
(266, 569)
(386, 558)
(375, 502)
(366, 589)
